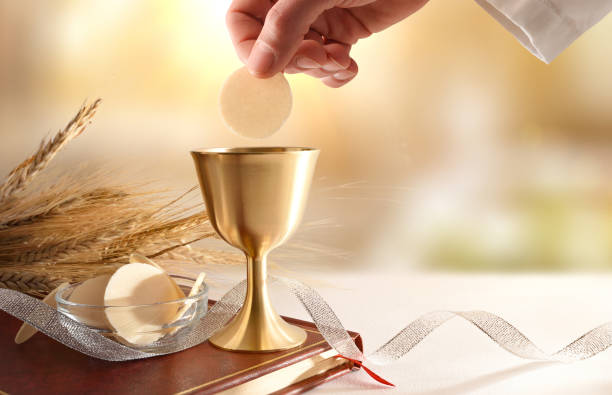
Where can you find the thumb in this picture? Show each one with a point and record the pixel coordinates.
(284, 28)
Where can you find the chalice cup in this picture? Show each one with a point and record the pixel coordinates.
(255, 198)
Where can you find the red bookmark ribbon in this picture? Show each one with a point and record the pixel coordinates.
(368, 371)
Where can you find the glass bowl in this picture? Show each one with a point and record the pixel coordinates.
(146, 327)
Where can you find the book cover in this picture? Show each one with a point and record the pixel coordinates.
(43, 365)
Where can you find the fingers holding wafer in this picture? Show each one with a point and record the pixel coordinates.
(330, 62)
(311, 55)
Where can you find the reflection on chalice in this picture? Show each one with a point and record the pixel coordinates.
(255, 198)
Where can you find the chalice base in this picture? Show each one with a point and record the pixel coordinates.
(254, 330)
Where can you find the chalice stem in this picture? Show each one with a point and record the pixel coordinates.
(257, 285)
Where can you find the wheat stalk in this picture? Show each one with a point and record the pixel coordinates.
(64, 206)
(204, 256)
(80, 225)
(20, 176)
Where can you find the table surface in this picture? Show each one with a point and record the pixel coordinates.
(551, 309)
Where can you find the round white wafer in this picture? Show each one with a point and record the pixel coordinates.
(139, 284)
(255, 107)
(91, 292)
(139, 258)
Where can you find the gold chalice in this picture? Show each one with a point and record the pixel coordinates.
(255, 198)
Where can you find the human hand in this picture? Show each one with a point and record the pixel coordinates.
(309, 36)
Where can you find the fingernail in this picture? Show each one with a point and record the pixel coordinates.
(332, 66)
(307, 63)
(262, 58)
(343, 75)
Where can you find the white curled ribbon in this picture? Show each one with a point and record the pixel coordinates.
(87, 341)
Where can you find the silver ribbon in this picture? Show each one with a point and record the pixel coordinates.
(85, 340)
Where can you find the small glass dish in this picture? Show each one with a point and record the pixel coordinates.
(157, 326)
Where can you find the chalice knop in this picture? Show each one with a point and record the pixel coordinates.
(255, 198)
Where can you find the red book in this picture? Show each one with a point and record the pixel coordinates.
(41, 365)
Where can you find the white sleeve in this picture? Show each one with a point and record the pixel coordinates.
(547, 27)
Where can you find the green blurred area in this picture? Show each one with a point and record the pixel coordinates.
(562, 230)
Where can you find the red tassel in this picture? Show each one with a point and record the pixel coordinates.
(368, 371)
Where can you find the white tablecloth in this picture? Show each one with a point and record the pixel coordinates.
(552, 310)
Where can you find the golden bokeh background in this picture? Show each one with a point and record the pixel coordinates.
(454, 147)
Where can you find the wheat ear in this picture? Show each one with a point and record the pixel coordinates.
(20, 176)
(33, 284)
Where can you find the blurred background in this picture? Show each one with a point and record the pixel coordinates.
(453, 149)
